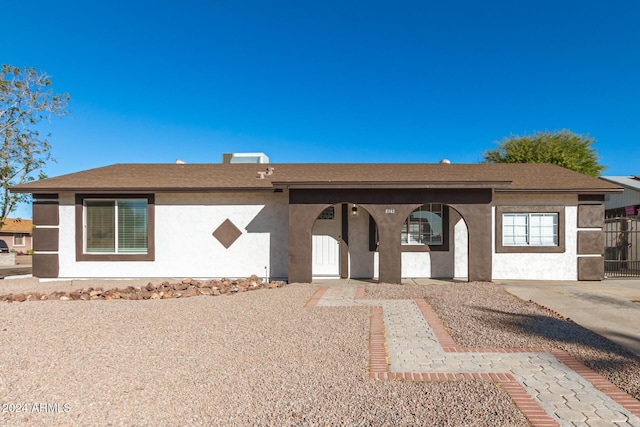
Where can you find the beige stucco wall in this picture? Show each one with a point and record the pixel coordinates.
(184, 244)
(185, 247)
(540, 266)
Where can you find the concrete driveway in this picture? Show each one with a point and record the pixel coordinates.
(610, 308)
(14, 270)
(21, 267)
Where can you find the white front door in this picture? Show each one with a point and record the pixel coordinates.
(326, 256)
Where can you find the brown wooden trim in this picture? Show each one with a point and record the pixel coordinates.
(581, 192)
(390, 196)
(591, 216)
(398, 185)
(45, 265)
(45, 197)
(591, 198)
(45, 212)
(590, 242)
(591, 268)
(45, 239)
(149, 256)
(560, 210)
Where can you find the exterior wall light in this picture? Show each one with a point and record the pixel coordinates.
(354, 210)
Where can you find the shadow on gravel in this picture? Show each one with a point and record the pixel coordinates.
(614, 362)
(556, 331)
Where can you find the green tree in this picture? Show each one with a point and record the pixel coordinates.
(563, 148)
(25, 100)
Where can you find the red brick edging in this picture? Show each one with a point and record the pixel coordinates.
(535, 414)
(359, 293)
(378, 364)
(313, 301)
(601, 383)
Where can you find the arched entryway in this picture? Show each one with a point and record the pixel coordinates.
(326, 245)
(434, 239)
(389, 208)
(342, 243)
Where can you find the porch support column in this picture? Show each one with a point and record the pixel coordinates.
(390, 219)
(301, 220)
(478, 219)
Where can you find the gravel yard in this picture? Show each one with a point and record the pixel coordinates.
(261, 358)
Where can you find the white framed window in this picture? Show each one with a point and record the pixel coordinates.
(424, 226)
(18, 239)
(115, 226)
(530, 229)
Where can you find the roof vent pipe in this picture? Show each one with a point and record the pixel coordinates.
(268, 172)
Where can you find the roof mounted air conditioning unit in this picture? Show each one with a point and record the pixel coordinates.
(245, 158)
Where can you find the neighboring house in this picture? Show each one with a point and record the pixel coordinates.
(622, 234)
(299, 221)
(16, 232)
(627, 203)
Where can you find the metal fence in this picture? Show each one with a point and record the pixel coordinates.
(622, 244)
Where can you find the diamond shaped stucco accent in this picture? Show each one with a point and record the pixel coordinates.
(227, 233)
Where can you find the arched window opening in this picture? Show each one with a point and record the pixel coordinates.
(425, 226)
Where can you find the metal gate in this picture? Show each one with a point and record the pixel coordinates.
(622, 244)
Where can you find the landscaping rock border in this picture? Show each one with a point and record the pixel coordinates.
(183, 289)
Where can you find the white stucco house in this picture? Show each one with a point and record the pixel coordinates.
(300, 221)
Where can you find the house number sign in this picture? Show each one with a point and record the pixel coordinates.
(390, 211)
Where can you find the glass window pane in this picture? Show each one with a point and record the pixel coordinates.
(100, 226)
(405, 232)
(132, 226)
(514, 229)
(424, 226)
(544, 229)
(432, 230)
(536, 229)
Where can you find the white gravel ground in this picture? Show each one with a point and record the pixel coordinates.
(261, 358)
(256, 358)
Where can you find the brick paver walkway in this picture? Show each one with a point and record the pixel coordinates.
(408, 342)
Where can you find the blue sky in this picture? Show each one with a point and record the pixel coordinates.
(352, 81)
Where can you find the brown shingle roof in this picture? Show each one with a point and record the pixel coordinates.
(216, 177)
(17, 225)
